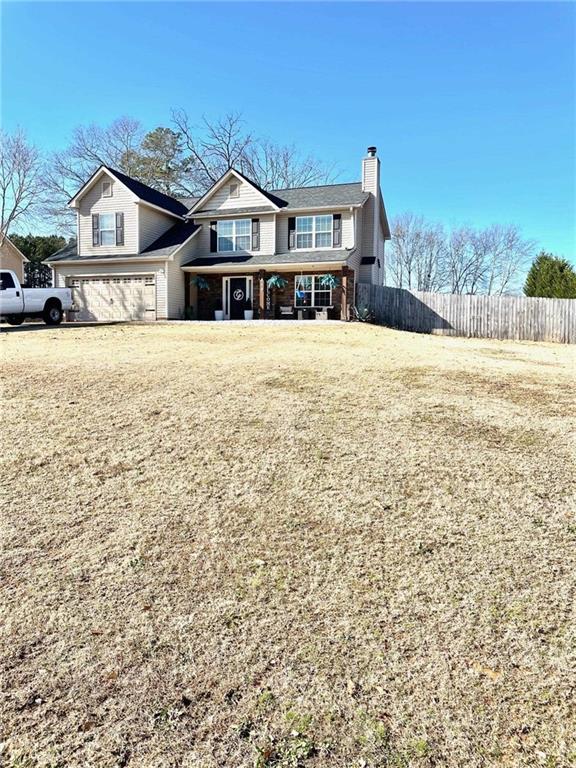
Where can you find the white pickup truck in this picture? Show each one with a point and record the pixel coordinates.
(16, 302)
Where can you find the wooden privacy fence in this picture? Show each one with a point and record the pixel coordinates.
(490, 317)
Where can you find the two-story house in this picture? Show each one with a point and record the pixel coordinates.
(142, 255)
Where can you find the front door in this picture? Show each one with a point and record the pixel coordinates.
(238, 297)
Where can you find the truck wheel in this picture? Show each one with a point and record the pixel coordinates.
(52, 314)
(15, 319)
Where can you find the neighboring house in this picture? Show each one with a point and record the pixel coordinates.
(139, 251)
(12, 258)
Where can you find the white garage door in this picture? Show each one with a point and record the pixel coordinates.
(131, 297)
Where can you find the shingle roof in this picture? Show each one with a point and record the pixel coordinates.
(170, 240)
(149, 195)
(206, 212)
(290, 257)
(328, 195)
(68, 252)
(161, 248)
(322, 196)
(188, 201)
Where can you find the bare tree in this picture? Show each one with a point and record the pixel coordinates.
(184, 160)
(118, 145)
(275, 166)
(212, 148)
(423, 257)
(417, 253)
(504, 254)
(21, 181)
(215, 146)
(464, 270)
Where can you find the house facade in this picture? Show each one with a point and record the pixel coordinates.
(12, 258)
(143, 255)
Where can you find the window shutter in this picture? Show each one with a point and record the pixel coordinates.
(255, 234)
(95, 229)
(213, 236)
(337, 230)
(119, 229)
(292, 232)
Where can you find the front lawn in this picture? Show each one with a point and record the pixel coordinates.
(286, 545)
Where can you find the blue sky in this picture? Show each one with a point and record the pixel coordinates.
(471, 105)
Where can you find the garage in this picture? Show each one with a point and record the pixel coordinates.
(110, 298)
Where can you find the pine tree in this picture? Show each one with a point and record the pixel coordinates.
(551, 277)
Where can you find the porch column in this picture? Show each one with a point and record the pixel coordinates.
(187, 298)
(344, 314)
(262, 294)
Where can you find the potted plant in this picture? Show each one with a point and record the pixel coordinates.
(248, 311)
(274, 283)
(329, 280)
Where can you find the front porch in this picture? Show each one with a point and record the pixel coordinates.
(301, 295)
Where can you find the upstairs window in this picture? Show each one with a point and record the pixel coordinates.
(234, 190)
(107, 228)
(314, 231)
(106, 189)
(234, 235)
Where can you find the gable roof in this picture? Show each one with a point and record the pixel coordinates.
(150, 195)
(8, 245)
(276, 202)
(139, 189)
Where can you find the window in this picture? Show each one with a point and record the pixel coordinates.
(106, 223)
(314, 231)
(234, 190)
(310, 293)
(234, 235)
(6, 281)
(106, 189)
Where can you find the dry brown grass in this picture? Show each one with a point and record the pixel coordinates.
(286, 546)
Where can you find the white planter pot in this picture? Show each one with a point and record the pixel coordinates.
(248, 314)
(218, 314)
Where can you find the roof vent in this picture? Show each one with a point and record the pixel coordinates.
(371, 151)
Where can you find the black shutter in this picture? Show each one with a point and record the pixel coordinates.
(95, 229)
(337, 230)
(255, 234)
(119, 229)
(213, 236)
(292, 232)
